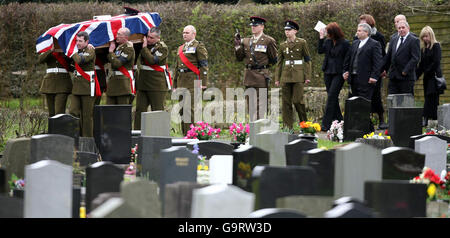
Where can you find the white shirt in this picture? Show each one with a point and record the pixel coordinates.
(363, 42)
(398, 42)
(189, 43)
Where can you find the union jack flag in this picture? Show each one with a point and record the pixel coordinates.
(100, 31)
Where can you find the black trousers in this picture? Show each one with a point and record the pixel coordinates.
(377, 104)
(361, 88)
(333, 84)
(400, 86)
(430, 106)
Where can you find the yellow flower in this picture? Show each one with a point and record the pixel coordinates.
(371, 134)
(205, 167)
(388, 137)
(308, 123)
(379, 134)
(365, 136)
(431, 190)
(316, 126)
(199, 167)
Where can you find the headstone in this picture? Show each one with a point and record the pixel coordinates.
(400, 100)
(210, 148)
(404, 123)
(401, 163)
(112, 132)
(276, 213)
(4, 188)
(221, 169)
(182, 141)
(114, 208)
(443, 115)
(357, 118)
(76, 201)
(87, 144)
(178, 199)
(176, 164)
(273, 142)
(135, 134)
(102, 198)
(102, 177)
(412, 139)
(65, 124)
(148, 160)
(350, 210)
(355, 164)
(435, 151)
(142, 195)
(86, 158)
(259, 126)
(11, 207)
(245, 159)
(311, 206)
(396, 198)
(296, 149)
(377, 143)
(323, 162)
(221, 201)
(53, 147)
(48, 190)
(270, 183)
(155, 123)
(15, 156)
(348, 199)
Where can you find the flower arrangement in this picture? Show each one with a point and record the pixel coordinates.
(379, 136)
(309, 127)
(201, 159)
(433, 131)
(16, 183)
(438, 188)
(130, 171)
(202, 131)
(336, 131)
(134, 153)
(239, 132)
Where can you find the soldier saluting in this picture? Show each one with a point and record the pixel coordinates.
(293, 70)
(258, 52)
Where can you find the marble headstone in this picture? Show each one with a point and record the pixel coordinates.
(245, 159)
(148, 160)
(401, 163)
(53, 147)
(296, 149)
(435, 151)
(210, 148)
(178, 199)
(15, 156)
(143, 197)
(403, 123)
(221, 169)
(65, 124)
(273, 142)
(155, 123)
(357, 118)
(259, 126)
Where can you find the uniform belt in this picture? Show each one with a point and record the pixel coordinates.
(135, 67)
(56, 70)
(145, 67)
(249, 66)
(118, 73)
(97, 67)
(184, 70)
(88, 72)
(293, 62)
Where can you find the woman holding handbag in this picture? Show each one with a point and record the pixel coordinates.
(430, 67)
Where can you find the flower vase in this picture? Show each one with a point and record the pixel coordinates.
(437, 209)
(18, 193)
(308, 136)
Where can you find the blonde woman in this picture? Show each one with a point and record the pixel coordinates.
(429, 66)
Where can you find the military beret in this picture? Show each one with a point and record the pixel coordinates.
(254, 21)
(289, 24)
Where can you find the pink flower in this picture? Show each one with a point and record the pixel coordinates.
(218, 130)
(203, 133)
(209, 133)
(247, 129)
(238, 130)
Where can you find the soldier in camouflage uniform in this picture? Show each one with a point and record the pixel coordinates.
(57, 84)
(258, 52)
(152, 84)
(293, 71)
(197, 56)
(120, 86)
(82, 98)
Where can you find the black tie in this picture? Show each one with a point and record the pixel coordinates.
(401, 42)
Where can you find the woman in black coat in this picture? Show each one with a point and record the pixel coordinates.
(335, 48)
(429, 66)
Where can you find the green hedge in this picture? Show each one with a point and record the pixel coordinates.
(23, 23)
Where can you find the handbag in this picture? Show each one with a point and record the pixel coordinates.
(441, 84)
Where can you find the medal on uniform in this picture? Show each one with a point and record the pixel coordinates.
(261, 48)
(190, 50)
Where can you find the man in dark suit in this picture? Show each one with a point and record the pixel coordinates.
(401, 60)
(363, 63)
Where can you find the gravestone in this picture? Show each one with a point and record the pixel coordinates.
(148, 160)
(347, 199)
(259, 126)
(221, 169)
(270, 183)
(273, 142)
(221, 201)
(182, 141)
(355, 164)
(142, 195)
(11, 207)
(404, 123)
(112, 132)
(155, 123)
(350, 210)
(178, 199)
(176, 164)
(400, 100)
(377, 143)
(4, 188)
(245, 159)
(86, 158)
(443, 115)
(76, 201)
(15, 156)
(48, 190)
(65, 124)
(276, 213)
(114, 208)
(396, 198)
(412, 139)
(357, 118)
(102, 177)
(435, 151)
(210, 148)
(102, 198)
(401, 163)
(296, 149)
(87, 144)
(323, 162)
(53, 147)
(135, 134)
(311, 206)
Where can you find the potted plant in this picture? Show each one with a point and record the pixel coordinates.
(239, 134)
(308, 130)
(336, 131)
(202, 131)
(17, 186)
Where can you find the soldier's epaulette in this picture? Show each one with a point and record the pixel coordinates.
(129, 44)
(163, 44)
